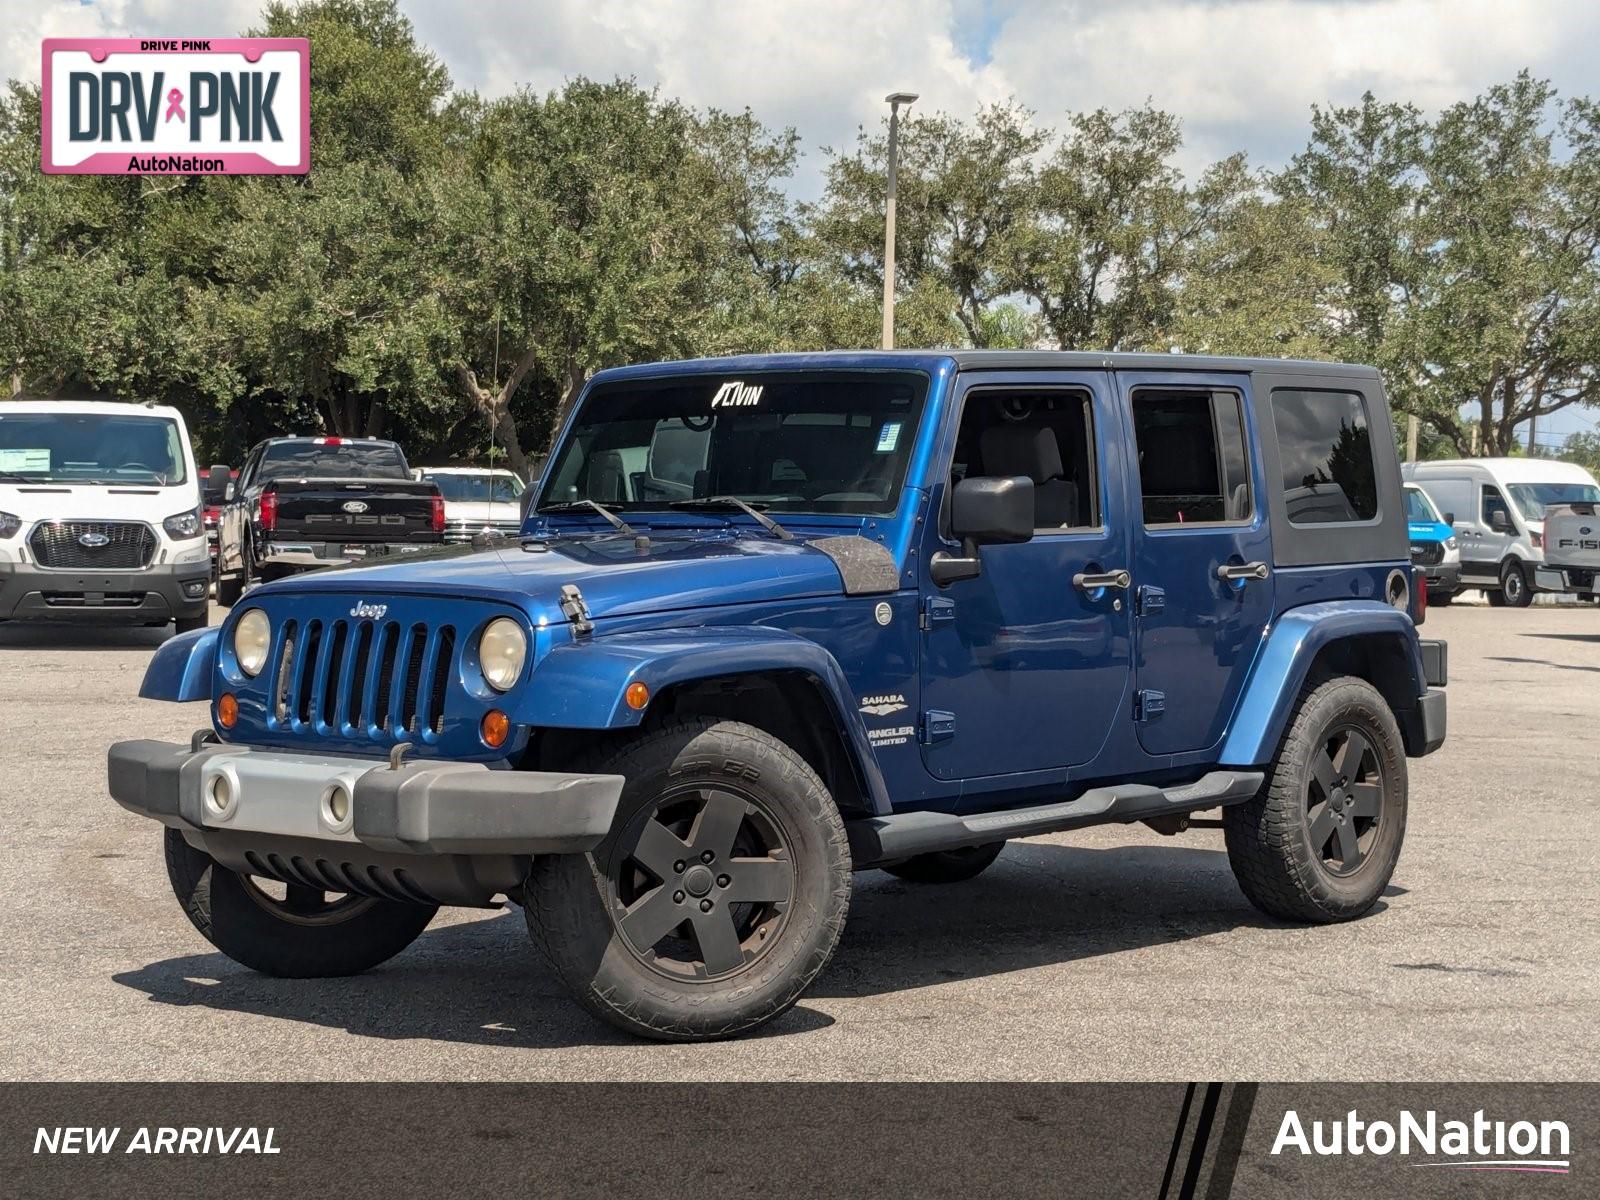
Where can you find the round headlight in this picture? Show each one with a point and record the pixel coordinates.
(251, 637)
(502, 650)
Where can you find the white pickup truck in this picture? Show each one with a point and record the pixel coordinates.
(1571, 549)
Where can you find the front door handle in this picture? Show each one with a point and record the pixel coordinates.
(1237, 572)
(1104, 579)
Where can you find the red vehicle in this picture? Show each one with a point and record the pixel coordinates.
(212, 496)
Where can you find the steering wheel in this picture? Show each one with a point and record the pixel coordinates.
(698, 424)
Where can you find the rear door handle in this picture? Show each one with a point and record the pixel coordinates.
(1105, 579)
(1234, 572)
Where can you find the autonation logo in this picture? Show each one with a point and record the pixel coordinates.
(1480, 1144)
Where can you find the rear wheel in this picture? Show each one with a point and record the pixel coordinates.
(947, 866)
(716, 899)
(1320, 840)
(1514, 585)
(288, 929)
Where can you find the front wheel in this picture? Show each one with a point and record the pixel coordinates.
(190, 624)
(1514, 585)
(1320, 840)
(718, 895)
(289, 930)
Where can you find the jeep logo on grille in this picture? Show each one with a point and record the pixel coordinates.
(93, 541)
(369, 612)
(355, 506)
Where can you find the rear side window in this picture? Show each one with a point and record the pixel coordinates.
(1325, 445)
(1192, 466)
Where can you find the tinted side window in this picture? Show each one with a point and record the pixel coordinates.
(1192, 463)
(1047, 436)
(1325, 445)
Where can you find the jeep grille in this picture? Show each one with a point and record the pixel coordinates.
(377, 680)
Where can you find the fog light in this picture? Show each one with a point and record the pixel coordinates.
(336, 806)
(495, 729)
(637, 696)
(219, 796)
(195, 590)
(227, 710)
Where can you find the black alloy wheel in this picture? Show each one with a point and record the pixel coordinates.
(701, 882)
(1344, 801)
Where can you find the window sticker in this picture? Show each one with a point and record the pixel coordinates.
(889, 437)
(24, 459)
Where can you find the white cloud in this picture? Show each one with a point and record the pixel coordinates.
(1241, 73)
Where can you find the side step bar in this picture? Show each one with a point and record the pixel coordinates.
(901, 835)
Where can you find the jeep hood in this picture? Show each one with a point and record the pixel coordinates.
(616, 577)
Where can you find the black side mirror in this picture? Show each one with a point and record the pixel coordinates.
(1449, 518)
(1500, 522)
(984, 511)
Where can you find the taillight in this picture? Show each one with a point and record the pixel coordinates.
(438, 513)
(1421, 613)
(267, 510)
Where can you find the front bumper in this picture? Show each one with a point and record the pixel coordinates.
(154, 595)
(302, 555)
(440, 832)
(1583, 581)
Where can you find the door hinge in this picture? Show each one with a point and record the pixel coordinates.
(576, 610)
(1148, 705)
(937, 726)
(936, 610)
(1151, 600)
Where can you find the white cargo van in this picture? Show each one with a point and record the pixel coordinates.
(1497, 506)
(100, 515)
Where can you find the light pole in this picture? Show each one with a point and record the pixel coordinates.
(894, 101)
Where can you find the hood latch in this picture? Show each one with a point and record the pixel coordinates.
(576, 610)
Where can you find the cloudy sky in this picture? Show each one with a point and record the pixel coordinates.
(1241, 73)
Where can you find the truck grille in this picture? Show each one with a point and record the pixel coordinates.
(1427, 554)
(371, 679)
(93, 545)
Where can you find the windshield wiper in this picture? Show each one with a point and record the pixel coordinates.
(593, 506)
(750, 510)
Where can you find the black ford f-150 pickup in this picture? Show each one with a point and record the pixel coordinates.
(306, 502)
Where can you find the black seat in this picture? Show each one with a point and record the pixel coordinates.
(1019, 448)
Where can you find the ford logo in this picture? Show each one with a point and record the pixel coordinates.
(93, 541)
(355, 506)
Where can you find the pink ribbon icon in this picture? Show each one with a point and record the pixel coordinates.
(175, 105)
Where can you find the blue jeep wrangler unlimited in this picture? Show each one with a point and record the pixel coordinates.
(772, 619)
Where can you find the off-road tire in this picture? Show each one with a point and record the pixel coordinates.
(947, 866)
(1514, 585)
(573, 901)
(1268, 837)
(220, 904)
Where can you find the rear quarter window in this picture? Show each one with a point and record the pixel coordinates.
(1325, 450)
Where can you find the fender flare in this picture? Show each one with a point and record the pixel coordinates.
(182, 667)
(581, 685)
(1284, 661)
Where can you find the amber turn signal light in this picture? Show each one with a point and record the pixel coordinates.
(637, 696)
(495, 729)
(227, 710)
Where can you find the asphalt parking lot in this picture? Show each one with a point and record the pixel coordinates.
(1110, 954)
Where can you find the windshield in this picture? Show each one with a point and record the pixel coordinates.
(505, 489)
(332, 460)
(91, 448)
(1419, 507)
(1534, 498)
(822, 443)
